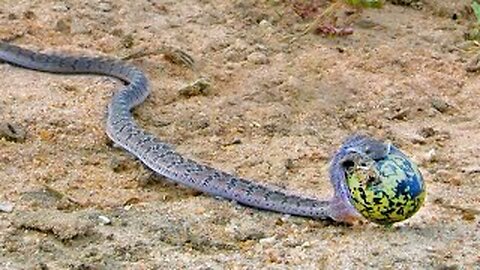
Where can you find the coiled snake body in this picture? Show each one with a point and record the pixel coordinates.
(162, 159)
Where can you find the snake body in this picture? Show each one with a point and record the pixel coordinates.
(162, 159)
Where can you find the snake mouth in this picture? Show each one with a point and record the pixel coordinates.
(366, 170)
(348, 165)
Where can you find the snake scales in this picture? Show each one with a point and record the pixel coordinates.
(162, 159)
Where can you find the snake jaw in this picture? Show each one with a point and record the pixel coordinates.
(342, 211)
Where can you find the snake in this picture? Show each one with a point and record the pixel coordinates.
(162, 159)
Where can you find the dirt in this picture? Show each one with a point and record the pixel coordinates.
(275, 108)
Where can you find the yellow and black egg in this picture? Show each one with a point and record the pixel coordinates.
(387, 190)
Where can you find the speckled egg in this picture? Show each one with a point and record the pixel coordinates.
(389, 190)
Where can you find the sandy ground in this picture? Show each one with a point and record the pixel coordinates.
(276, 111)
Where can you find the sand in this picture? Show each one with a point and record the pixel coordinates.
(278, 106)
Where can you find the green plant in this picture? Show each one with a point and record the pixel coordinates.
(365, 3)
(476, 9)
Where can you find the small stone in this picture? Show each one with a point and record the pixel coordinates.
(456, 181)
(12, 132)
(289, 164)
(46, 135)
(443, 176)
(240, 45)
(104, 220)
(469, 215)
(179, 57)
(431, 155)
(428, 132)
(258, 58)
(198, 87)
(61, 7)
(416, 4)
(105, 6)
(264, 23)
(63, 226)
(6, 207)
(78, 27)
(231, 66)
(128, 41)
(119, 164)
(269, 241)
(417, 139)
(68, 87)
(233, 55)
(471, 170)
(366, 24)
(118, 32)
(440, 105)
(474, 64)
(401, 114)
(63, 26)
(447, 267)
(41, 266)
(29, 15)
(233, 142)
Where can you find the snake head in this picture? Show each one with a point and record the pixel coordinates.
(367, 147)
(387, 190)
(374, 179)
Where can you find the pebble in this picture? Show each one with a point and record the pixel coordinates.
(233, 55)
(443, 176)
(428, 132)
(416, 4)
(104, 220)
(12, 16)
(269, 241)
(258, 58)
(265, 24)
(289, 164)
(233, 142)
(417, 139)
(240, 45)
(119, 164)
(78, 27)
(366, 24)
(29, 15)
(63, 26)
(431, 155)
(474, 64)
(266, 27)
(6, 207)
(447, 267)
(105, 6)
(61, 7)
(198, 87)
(471, 170)
(440, 105)
(127, 41)
(179, 57)
(12, 132)
(402, 114)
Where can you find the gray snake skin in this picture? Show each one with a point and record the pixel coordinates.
(162, 159)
